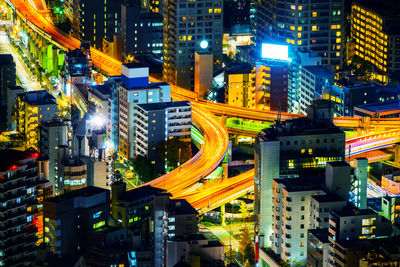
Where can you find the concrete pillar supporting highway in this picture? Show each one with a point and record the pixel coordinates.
(223, 119)
(225, 170)
(223, 215)
(397, 154)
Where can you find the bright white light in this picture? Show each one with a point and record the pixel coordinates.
(204, 44)
(109, 144)
(273, 51)
(97, 121)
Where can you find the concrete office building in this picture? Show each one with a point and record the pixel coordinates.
(18, 182)
(94, 21)
(158, 122)
(375, 34)
(135, 89)
(240, 85)
(142, 30)
(349, 225)
(54, 135)
(33, 108)
(313, 79)
(290, 148)
(7, 79)
(190, 27)
(311, 26)
(152, 218)
(271, 86)
(70, 218)
(74, 174)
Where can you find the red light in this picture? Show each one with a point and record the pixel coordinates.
(35, 155)
(14, 167)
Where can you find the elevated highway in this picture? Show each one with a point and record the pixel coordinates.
(215, 136)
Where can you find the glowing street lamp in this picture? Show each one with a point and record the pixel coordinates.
(204, 44)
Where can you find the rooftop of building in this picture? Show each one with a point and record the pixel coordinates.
(327, 198)
(321, 234)
(134, 65)
(301, 184)
(380, 107)
(83, 192)
(143, 192)
(149, 86)
(104, 89)
(6, 59)
(72, 162)
(37, 98)
(338, 163)
(164, 105)
(182, 207)
(348, 212)
(238, 68)
(11, 157)
(319, 70)
(296, 127)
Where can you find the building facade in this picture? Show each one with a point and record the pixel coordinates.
(159, 122)
(135, 89)
(7, 79)
(190, 27)
(307, 25)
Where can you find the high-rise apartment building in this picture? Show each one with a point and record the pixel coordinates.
(307, 25)
(135, 89)
(158, 122)
(94, 20)
(7, 79)
(18, 182)
(53, 136)
(71, 217)
(291, 148)
(375, 32)
(190, 27)
(142, 30)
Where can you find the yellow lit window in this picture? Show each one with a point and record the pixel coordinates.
(210, 11)
(303, 151)
(338, 33)
(189, 38)
(338, 40)
(299, 28)
(184, 18)
(314, 28)
(300, 7)
(299, 35)
(314, 14)
(301, 244)
(292, 28)
(299, 42)
(217, 10)
(310, 151)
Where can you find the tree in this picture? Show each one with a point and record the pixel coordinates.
(175, 151)
(143, 168)
(244, 212)
(245, 240)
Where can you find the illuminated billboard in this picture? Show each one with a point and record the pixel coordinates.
(273, 51)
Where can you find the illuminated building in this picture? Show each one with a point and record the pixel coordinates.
(271, 86)
(312, 26)
(334, 94)
(18, 184)
(313, 78)
(142, 30)
(7, 79)
(33, 108)
(240, 85)
(375, 33)
(348, 226)
(74, 174)
(95, 21)
(135, 89)
(391, 208)
(291, 148)
(159, 122)
(152, 220)
(54, 135)
(100, 101)
(70, 218)
(239, 35)
(186, 25)
(236, 13)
